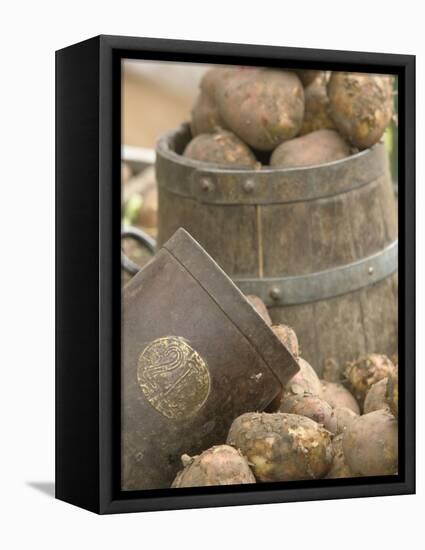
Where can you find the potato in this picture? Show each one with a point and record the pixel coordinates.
(392, 391)
(260, 307)
(219, 465)
(205, 116)
(315, 148)
(282, 447)
(331, 370)
(370, 444)
(312, 407)
(264, 107)
(217, 77)
(220, 148)
(308, 76)
(338, 396)
(339, 467)
(316, 110)
(361, 106)
(343, 417)
(375, 398)
(305, 381)
(366, 371)
(288, 337)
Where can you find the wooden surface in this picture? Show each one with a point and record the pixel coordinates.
(294, 238)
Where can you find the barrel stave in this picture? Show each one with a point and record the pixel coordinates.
(227, 233)
(291, 222)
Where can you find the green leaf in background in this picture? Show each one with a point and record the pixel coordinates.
(132, 209)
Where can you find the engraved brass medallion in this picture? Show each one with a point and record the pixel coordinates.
(173, 377)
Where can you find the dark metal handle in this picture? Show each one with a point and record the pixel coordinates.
(142, 238)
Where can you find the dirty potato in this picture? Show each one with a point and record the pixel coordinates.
(220, 148)
(305, 381)
(366, 371)
(343, 417)
(315, 148)
(391, 393)
(370, 444)
(264, 107)
(205, 116)
(219, 465)
(339, 468)
(316, 110)
(288, 337)
(282, 447)
(331, 370)
(260, 307)
(376, 397)
(338, 396)
(312, 407)
(361, 106)
(308, 76)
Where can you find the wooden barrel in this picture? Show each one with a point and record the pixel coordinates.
(318, 244)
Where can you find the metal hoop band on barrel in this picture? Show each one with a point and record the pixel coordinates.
(280, 291)
(220, 185)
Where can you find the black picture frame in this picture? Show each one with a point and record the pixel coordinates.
(88, 106)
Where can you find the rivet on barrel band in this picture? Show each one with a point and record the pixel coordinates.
(248, 186)
(267, 186)
(206, 185)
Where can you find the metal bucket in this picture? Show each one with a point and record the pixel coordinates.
(195, 356)
(318, 244)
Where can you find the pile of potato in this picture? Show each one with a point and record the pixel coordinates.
(250, 116)
(314, 429)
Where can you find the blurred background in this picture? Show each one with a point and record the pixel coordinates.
(156, 98)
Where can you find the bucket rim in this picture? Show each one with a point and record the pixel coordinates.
(223, 291)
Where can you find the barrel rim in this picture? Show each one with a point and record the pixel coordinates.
(163, 148)
(213, 184)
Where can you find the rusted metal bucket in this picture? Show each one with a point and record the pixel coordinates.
(195, 356)
(318, 244)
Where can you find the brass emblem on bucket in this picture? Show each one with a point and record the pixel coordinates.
(173, 377)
